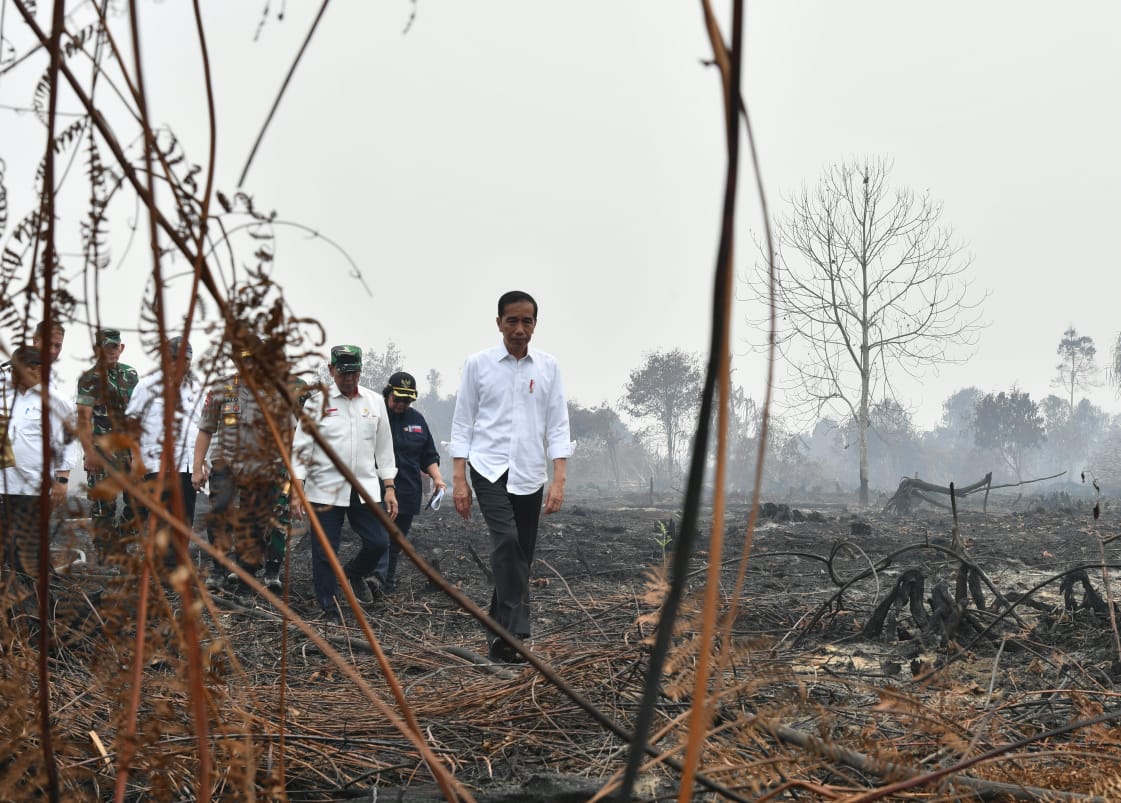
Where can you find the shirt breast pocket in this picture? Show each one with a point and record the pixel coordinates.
(368, 426)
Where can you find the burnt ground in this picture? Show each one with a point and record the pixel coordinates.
(936, 684)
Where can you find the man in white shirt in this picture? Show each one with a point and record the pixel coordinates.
(21, 458)
(354, 423)
(146, 408)
(49, 345)
(511, 416)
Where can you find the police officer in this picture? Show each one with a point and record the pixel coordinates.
(237, 453)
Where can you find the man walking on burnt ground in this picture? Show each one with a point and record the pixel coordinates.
(352, 420)
(511, 417)
(47, 340)
(103, 394)
(237, 454)
(146, 409)
(22, 440)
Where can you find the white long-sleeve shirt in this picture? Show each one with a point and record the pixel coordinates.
(73, 451)
(25, 434)
(511, 415)
(358, 430)
(147, 404)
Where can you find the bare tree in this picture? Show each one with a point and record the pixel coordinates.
(869, 285)
(1077, 369)
(1114, 369)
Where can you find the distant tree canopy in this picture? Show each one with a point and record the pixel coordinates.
(1010, 424)
(601, 427)
(666, 390)
(378, 366)
(1076, 369)
(1072, 436)
(959, 412)
(870, 284)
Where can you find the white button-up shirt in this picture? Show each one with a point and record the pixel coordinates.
(511, 415)
(358, 430)
(25, 434)
(147, 405)
(73, 451)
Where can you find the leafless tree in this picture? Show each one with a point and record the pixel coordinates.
(870, 285)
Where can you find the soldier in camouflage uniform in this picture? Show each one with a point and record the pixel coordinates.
(237, 454)
(103, 394)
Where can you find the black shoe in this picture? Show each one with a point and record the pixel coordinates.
(502, 653)
(242, 590)
(273, 582)
(361, 590)
(330, 617)
(375, 588)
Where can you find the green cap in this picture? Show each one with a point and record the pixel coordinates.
(110, 337)
(346, 359)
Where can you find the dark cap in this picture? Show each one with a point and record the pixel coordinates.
(27, 355)
(173, 345)
(110, 337)
(346, 359)
(402, 385)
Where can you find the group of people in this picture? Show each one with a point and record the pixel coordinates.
(351, 449)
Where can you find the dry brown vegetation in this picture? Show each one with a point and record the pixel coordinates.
(994, 681)
(805, 705)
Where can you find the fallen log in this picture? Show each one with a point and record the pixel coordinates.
(912, 491)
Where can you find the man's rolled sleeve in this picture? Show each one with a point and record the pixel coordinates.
(302, 444)
(557, 434)
(384, 457)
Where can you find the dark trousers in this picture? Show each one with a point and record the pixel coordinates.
(189, 494)
(108, 529)
(19, 532)
(373, 545)
(512, 520)
(388, 565)
(246, 525)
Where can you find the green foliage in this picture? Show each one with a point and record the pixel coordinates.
(1071, 435)
(666, 390)
(1011, 424)
(663, 538)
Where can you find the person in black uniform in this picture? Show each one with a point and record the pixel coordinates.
(416, 454)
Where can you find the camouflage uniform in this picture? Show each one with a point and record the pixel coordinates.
(107, 390)
(281, 522)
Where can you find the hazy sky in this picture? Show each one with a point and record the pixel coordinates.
(575, 150)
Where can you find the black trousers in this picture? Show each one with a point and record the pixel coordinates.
(183, 478)
(245, 526)
(512, 520)
(19, 532)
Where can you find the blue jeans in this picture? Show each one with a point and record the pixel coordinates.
(374, 543)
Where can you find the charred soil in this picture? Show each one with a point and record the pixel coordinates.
(862, 650)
